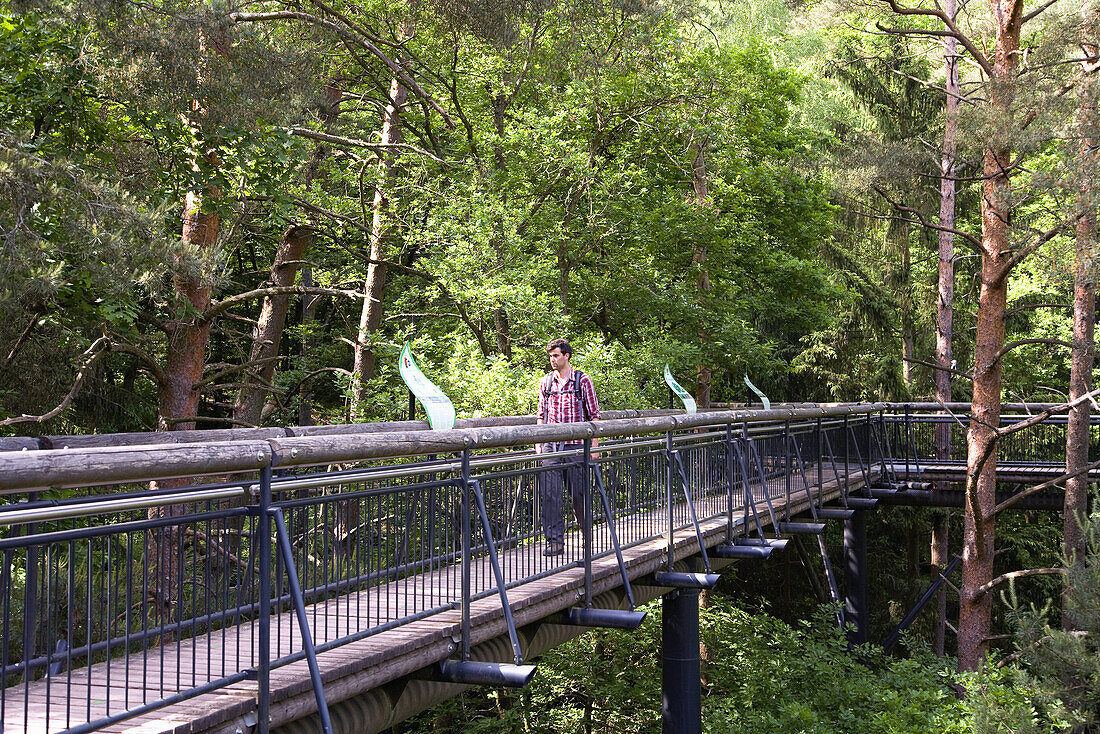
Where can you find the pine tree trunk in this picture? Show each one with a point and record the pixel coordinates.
(945, 318)
(979, 532)
(375, 284)
(248, 408)
(1082, 355)
(178, 400)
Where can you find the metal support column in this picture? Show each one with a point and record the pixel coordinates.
(681, 697)
(855, 575)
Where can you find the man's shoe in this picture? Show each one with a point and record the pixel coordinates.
(554, 549)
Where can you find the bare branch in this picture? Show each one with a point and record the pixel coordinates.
(355, 38)
(305, 132)
(986, 588)
(939, 367)
(948, 23)
(215, 309)
(92, 354)
(1038, 11)
(1024, 342)
(1045, 485)
(22, 338)
(975, 241)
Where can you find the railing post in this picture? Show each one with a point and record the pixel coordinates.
(909, 439)
(668, 498)
(30, 601)
(263, 548)
(787, 438)
(729, 483)
(586, 502)
(820, 462)
(467, 542)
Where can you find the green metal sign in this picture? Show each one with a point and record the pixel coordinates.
(440, 410)
(763, 398)
(684, 395)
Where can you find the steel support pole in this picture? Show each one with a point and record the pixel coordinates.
(855, 576)
(681, 697)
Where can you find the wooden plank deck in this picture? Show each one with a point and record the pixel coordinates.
(90, 693)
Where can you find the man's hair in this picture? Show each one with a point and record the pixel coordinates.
(560, 344)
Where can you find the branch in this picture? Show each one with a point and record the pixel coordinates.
(949, 23)
(305, 132)
(1024, 342)
(976, 242)
(1001, 507)
(362, 42)
(1038, 11)
(937, 367)
(309, 206)
(1018, 256)
(986, 588)
(22, 338)
(215, 309)
(235, 368)
(92, 354)
(1040, 417)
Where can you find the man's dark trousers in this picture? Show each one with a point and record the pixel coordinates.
(551, 491)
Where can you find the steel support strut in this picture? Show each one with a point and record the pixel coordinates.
(856, 605)
(681, 697)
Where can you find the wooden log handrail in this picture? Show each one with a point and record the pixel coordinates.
(69, 467)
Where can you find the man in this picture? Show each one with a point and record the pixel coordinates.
(566, 395)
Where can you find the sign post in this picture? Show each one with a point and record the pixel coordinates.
(684, 395)
(440, 410)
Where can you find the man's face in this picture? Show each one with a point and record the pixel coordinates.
(557, 359)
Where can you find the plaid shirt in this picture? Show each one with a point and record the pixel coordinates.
(558, 401)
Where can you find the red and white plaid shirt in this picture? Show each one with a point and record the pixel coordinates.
(558, 401)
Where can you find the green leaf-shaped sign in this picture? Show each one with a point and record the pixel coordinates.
(684, 395)
(440, 409)
(763, 398)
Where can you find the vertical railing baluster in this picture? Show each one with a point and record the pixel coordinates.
(668, 499)
(586, 502)
(262, 547)
(464, 488)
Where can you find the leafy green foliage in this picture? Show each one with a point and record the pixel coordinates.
(760, 674)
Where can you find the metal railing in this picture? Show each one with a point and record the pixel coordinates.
(117, 598)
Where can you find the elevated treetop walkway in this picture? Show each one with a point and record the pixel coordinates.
(390, 563)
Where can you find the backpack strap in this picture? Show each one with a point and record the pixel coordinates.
(578, 394)
(577, 375)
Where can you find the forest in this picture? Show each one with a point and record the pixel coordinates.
(229, 215)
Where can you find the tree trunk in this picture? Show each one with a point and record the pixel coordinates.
(269, 328)
(308, 310)
(375, 284)
(979, 532)
(178, 399)
(944, 318)
(701, 196)
(1082, 355)
(503, 332)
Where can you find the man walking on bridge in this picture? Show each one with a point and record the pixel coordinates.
(566, 395)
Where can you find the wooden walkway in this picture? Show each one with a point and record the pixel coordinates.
(71, 698)
(1007, 472)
